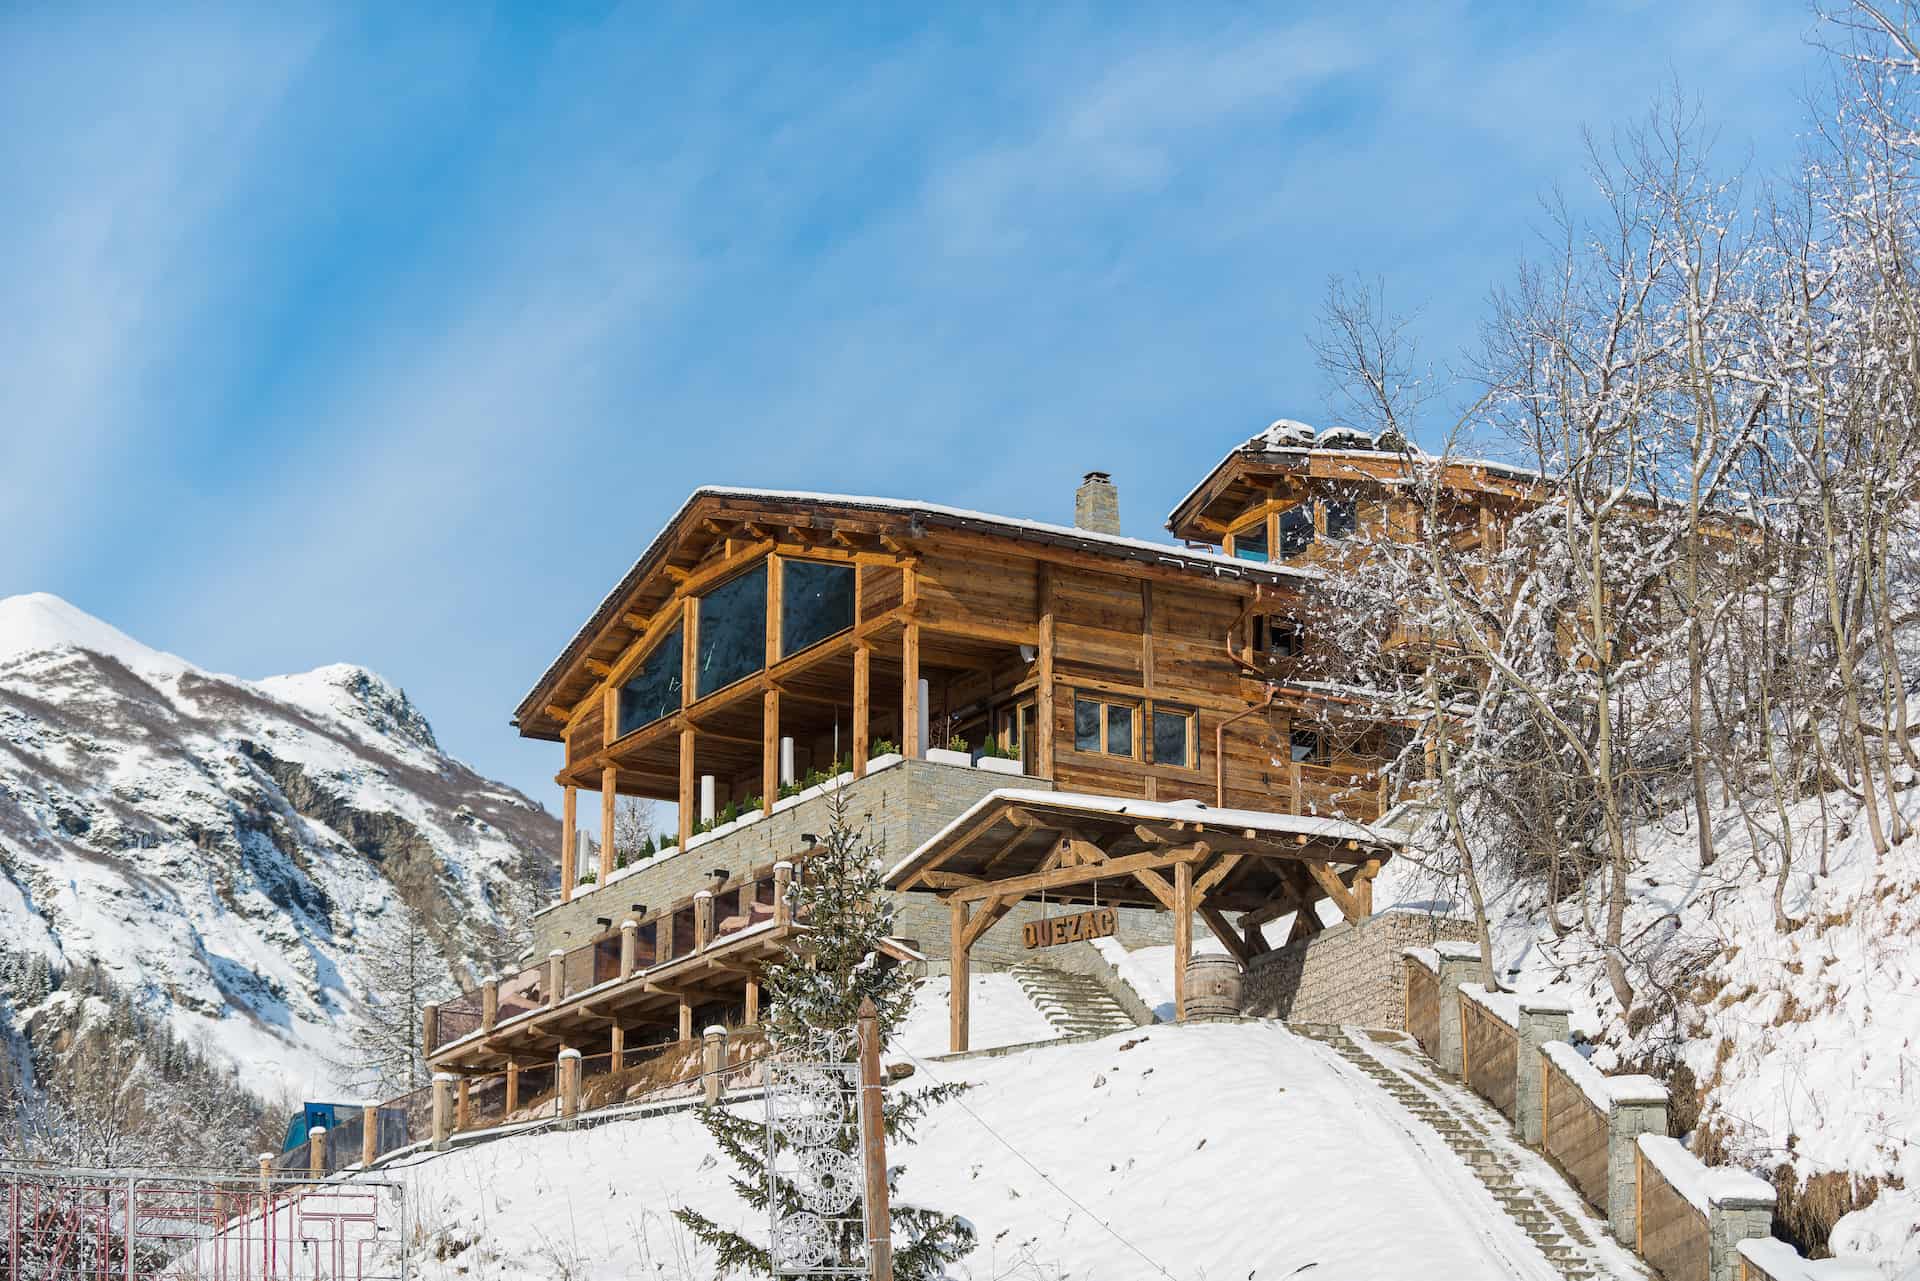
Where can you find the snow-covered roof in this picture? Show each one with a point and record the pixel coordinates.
(1214, 563)
(1328, 829)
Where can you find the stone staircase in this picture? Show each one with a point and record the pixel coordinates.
(1075, 1004)
(1572, 1239)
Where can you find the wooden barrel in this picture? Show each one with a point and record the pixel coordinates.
(1214, 987)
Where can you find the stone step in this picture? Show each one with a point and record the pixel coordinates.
(1074, 1004)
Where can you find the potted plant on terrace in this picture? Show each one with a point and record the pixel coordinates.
(956, 752)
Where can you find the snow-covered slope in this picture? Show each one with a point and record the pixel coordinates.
(224, 849)
(1204, 1152)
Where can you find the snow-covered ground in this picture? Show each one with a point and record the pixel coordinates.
(1201, 1153)
(998, 1014)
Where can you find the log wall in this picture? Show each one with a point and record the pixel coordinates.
(1574, 1132)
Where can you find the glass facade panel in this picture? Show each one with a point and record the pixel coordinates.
(1119, 730)
(1296, 530)
(733, 632)
(1340, 518)
(1086, 725)
(1251, 543)
(1306, 746)
(1170, 745)
(654, 690)
(816, 601)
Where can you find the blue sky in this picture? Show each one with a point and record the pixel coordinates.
(391, 335)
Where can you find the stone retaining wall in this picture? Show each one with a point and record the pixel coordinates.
(1346, 973)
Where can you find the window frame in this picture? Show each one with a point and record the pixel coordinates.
(676, 631)
(1106, 703)
(1191, 717)
(1256, 524)
(764, 569)
(780, 641)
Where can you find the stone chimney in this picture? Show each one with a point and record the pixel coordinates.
(1096, 504)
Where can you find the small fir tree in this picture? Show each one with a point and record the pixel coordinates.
(818, 984)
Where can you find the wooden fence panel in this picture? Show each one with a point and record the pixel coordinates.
(1574, 1132)
(1492, 1051)
(1672, 1233)
(1423, 1005)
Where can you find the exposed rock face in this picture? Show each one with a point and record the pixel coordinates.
(222, 848)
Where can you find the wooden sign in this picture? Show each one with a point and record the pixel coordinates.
(1055, 930)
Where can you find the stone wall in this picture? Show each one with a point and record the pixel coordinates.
(903, 804)
(1346, 973)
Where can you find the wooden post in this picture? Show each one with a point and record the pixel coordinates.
(369, 1135)
(702, 919)
(959, 982)
(663, 937)
(429, 1030)
(686, 1020)
(442, 1109)
(489, 1004)
(873, 1145)
(1043, 691)
(713, 1063)
(1363, 886)
(609, 805)
(317, 1151)
(862, 709)
(629, 947)
(617, 1047)
(910, 745)
(569, 816)
(463, 1106)
(753, 1002)
(1182, 935)
(513, 1089)
(266, 1174)
(686, 786)
(769, 750)
(782, 888)
(567, 1069)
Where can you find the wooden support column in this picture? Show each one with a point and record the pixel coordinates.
(1043, 691)
(959, 981)
(609, 807)
(513, 1089)
(782, 887)
(569, 817)
(1182, 935)
(686, 786)
(463, 1106)
(616, 1046)
(369, 1135)
(862, 709)
(753, 1002)
(769, 749)
(686, 1019)
(910, 744)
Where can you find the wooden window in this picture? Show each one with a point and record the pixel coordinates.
(1296, 529)
(1276, 637)
(654, 690)
(1250, 541)
(732, 631)
(1307, 747)
(1111, 729)
(816, 601)
(1339, 515)
(1173, 737)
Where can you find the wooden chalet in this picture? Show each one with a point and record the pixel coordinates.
(767, 639)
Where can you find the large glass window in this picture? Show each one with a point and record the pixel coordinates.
(816, 601)
(1086, 725)
(1296, 529)
(1306, 746)
(1340, 517)
(654, 690)
(1172, 737)
(1251, 543)
(733, 632)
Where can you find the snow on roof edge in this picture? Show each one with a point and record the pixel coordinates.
(1185, 811)
(1704, 1186)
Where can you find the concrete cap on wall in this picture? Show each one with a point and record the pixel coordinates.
(1452, 951)
(569, 1053)
(786, 863)
(715, 1030)
(1535, 1003)
(629, 924)
(703, 893)
(556, 952)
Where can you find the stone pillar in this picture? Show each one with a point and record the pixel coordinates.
(1637, 1105)
(369, 1135)
(713, 1062)
(567, 1070)
(556, 976)
(1459, 963)
(702, 919)
(1732, 1217)
(429, 1030)
(629, 946)
(782, 889)
(442, 1109)
(489, 1003)
(1542, 1019)
(317, 1151)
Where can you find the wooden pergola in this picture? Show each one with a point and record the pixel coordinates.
(1184, 858)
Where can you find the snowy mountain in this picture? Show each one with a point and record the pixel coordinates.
(227, 852)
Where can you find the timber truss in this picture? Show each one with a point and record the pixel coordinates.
(1186, 859)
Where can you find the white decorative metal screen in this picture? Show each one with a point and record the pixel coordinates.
(816, 1178)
